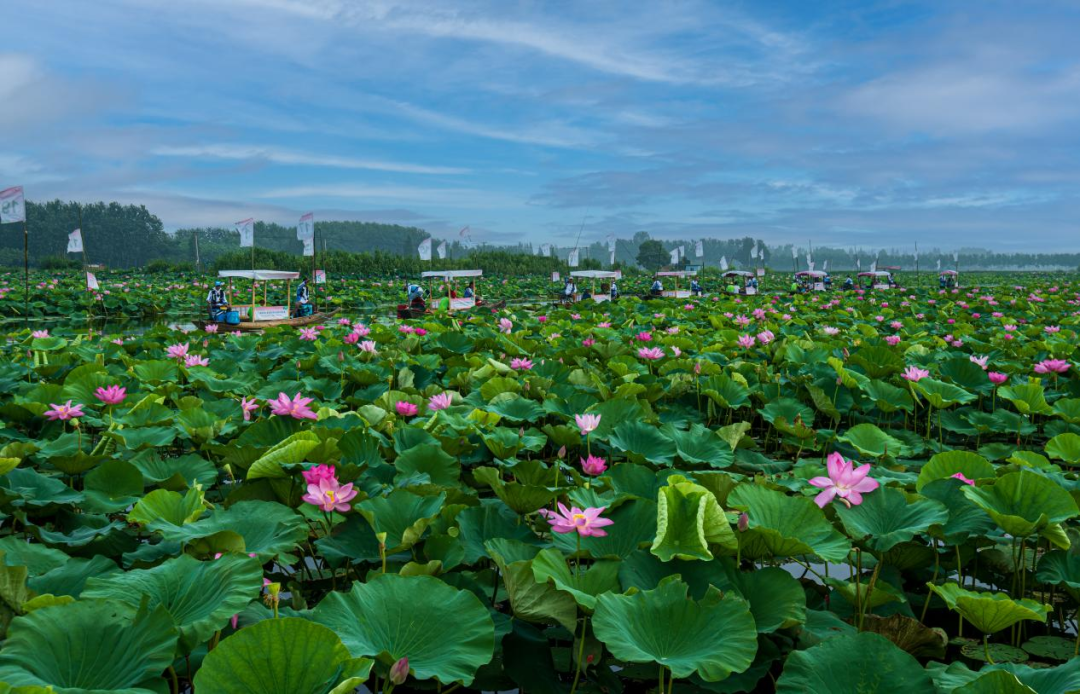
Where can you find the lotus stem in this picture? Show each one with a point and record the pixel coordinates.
(581, 653)
(174, 683)
(986, 649)
(937, 565)
(869, 592)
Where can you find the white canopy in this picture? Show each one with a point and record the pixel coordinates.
(597, 274)
(260, 274)
(875, 273)
(677, 273)
(451, 274)
(739, 273)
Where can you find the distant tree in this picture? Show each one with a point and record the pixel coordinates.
(651, 255)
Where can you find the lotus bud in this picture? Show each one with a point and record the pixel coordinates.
(399, 672)
(340, 356)
(381, 537)
(562, 453)
(744, 522)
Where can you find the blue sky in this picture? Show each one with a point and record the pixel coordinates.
(873, 124)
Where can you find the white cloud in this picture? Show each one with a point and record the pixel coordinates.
(450, 197)
(278, 155)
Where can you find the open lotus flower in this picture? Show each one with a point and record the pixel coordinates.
(352, 338)
(960, 476)
(39, 333)
(915, 374)
(113, 395)
(63, 412)
(593, 465)
(329, 495)
(177, 351)
(585, 522)
(505, 325)
(587, 423)
(651, 353)
(1056, 366)
(845, 481)
(309, 334)
(521, 364)
(997, 378)
(196, 360)
(297, 407)
(405, 408)
(981, 361)
(440, 401)
(211, 328)
(247, 407)
(746, 341)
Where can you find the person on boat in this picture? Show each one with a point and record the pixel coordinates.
(216, 301)
(795, 285)
(303, 298)
(657, 287)
(569, 290)
(695, 288)
(732, 288)
(849, 283)
(470, 291)
(415, 297)
(614, 290)
(828, 282)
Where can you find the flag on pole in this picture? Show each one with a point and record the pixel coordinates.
(939, 263)
(425, 249)
(809, 258)
(956, 256)
(75, 242)
(810, 265)
(611, 243)
(465, 234)
(723, 263)
(674, 256)
(246, 228)
(682, 252)
(545, 250)
(441, 250)
(91, 281)
(612, 261)
(309, 246)
(794, 253)
(753, 252)
(858, 263)
(12, 205)
(320, 277)
(825, 266)
(873, 266)
(305, 229)
(699, 250)
(572, 259)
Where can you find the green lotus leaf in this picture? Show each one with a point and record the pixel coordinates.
(853, 664)
(71, 577)
(37, 558)
(291, 451)
(201, 596)
(269, 529)
(531, 600)
(989, 612)
(966, 520)
(878, 361)
(641, 442)
(177, 474)
(713, 637)
(725, 392)
(515, 408)
(948, 463)
(113, 486)
(786, 526)
(1060, 568)
(870, 441)
(885, 518)
(701, 446)
(33, 489)
(883, 592)
(482, 524)
(1068, 409)
(281, 656)
(161, 509)
(1024, 503)
(688, 520)
(53, 646)
(402, 515)
(430, 460)
(446, 633)
(1063, 679)
(1065, 447)
(995, 682)
(549, 566)
(1027, 398)
(940, 394)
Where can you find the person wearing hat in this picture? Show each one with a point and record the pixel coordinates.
(303, 298)
(216, 301)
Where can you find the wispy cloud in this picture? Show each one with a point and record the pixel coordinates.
(278, 155)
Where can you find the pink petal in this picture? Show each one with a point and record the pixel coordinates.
(825, 497)
(822, 482)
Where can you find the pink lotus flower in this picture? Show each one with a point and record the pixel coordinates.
(542, 319)
(113, 395)
(981, 361)
(651, 353)
(892, 340)
(316, 474)
(196, 360)
(440, 401)
(965, 480)
(765, 337)
(1051, 329)
(211, 328)
(329, 495)
(39, 333)
(247, 407)
(830, 331)
(586, 522)
(368, 346)
(399, 672)
(344, 321)
(64, 412)
(844, 480)
(588, 342)
(746, 341)
(309, 334)
(587, 423)
(1057, 366)
(297, 407)
(603, 324)
(593, 465)
(997, 378)
(505, 325)
(361, 330)
(915, 374)
(177, 351)
(420, 332)
(521, 364)
(352, 338)
(406, 329)
(643, 336)
(405, 408)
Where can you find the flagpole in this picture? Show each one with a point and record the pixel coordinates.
(26, 268)
(198, 264)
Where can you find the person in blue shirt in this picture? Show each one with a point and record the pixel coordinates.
(614, 290)
(470, 291)
(657, 287)
(303, 298)
(216, 300)
(695, 288)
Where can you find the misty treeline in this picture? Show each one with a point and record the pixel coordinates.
(125, 236)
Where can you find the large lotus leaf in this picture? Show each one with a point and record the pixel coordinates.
(291, 451)
(853, 664)
(178, 473)
(1063, 679)
(70, 578)
(1060, 568)
(995, 682)
(871, 441)
(1027, 398)
(533, 601)
(989, 612)
(883, 592)
(966, 520)
(688, 520)
(878, 361)
(714, 637)
(37, 558)
(269, 529)
(1024, 503)
(161, 509)
(940, 394)
(157, 371)
(701, 446)
(885, 518)
(549, 566)
(429, 459)
(641, 442)
(786, 526)
(1065, 447)
(89, 646)
(200, 596)
(788, 410)
(1068, 409)
(725, 391)
(515, 408)
(520, 497)
(36, 490)
(402, 515)
(947, 463)
(480, 524)
(144, 437)
(281, 656)
(78, 530)
(113, 486)
(635, 525)
(446, 633)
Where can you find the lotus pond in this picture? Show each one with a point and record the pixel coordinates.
(829, 493)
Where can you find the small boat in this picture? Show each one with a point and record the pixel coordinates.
(298, 321)
(451, 303)
(254, 316)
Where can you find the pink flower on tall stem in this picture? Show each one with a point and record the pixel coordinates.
(196, 360)
(247, 407)
(64, 412)
(405, 408)
(845, 481)
(1055, 366)
(440, 401)
(177, 351)
(113, 395)
(915, 374)
(352, 338)
(587, 423)
(892, 340)
(997, 378)
(593, 465)
(330, 495)
(746, 341)
(211, 328)
(368, 346)
(297, 407)
(585, 522)
(651, 353)
(314, 475)
(521, 364)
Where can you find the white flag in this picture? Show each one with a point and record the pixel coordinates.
(939, 263)
(91, 281)
(75, 242)
(723, 263)
(305, 229)
(858, 263)
(825, 266)
(465, 234)
(320, 277)
(810, 265)
(956, 256)
(612, 261)
(246, 228)
(809, 258)
(545, 250)
(424, 249)
(611, 243)
(674, 256)
(441, 250)
(699, 250)
(12, 205)
(309, 247)
(572, 259)
(682, 252)
(873, 266)
(916, 254)
(753, 252)
(794, 253)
